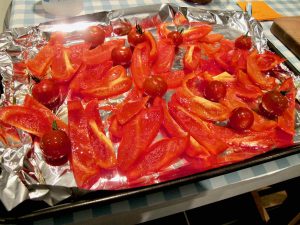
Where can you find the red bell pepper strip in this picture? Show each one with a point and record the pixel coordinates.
(210, 66)
(162, 29)
(263, 81)
(140, 64)
(88, 77)
(287, 120)
(173, 79)
(222, 59)
(150, 21)
(129, 109)
(205, 109)
(245, 88)
(135, 100)
(57, 38)
(165, 56)
(232, 60)
(138, 134)
(114, 83)
(223, 77)
(238, 59)
(179, 19)
(255, 144)
(196, 33)
(174, 130)
(153, 45)
(67, 61)
(251, 93)
(115, 129)
(26, 118)
(268, 60)
(39, 65)
(210, 49)
(250, 140)
(83, 157)
(31, 102)
(260, 123)
(91, 112)
(61, 67)
(192, 58)
(159, 155)
(101, 53)
(9, 135)
(101, 144)
(212, 38)
(203, 132)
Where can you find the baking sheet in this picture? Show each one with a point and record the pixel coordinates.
(19, 40)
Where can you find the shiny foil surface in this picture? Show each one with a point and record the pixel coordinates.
(24, 173)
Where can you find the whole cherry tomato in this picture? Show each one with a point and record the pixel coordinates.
(241, 118)
(121, 56)
(94, 35)
(155, 86)
(47, 92)
(121, 27)
(243, 42)
(56, 147)
(136, 36)
(273, 103)
(176, 37)
(215, 90)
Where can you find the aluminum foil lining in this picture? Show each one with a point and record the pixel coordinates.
(24, 174)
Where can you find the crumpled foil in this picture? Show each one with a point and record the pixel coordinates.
(24, 174)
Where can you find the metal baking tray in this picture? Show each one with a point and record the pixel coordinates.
(33, 210)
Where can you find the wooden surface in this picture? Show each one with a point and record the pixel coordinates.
(287, 30)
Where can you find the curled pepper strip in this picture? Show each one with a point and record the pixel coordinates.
(137, 135)
(114, 83)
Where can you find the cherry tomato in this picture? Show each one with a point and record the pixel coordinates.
(274, 103)
(243, 42)
(121, 56)
(47, 92)
(121, 28)
(215, 90)
(155, 86)
(176, 37)
(56, 147)
(241, 118)
(94, 35)
(136, 36)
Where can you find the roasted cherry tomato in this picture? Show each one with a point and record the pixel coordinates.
(56, 147)
(94, 35)
(47, 92)
(274, 103)
(241, 118)
(121, 56)
(243, 42)
(121, 27)
(176, 37)
(215, 90)
(155, 86)
(136, 36)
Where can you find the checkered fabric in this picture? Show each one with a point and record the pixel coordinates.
(30, 12)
